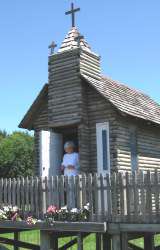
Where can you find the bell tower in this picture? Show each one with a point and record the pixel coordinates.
(66, 68)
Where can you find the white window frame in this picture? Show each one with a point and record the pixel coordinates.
(44, 153)
(99, 128)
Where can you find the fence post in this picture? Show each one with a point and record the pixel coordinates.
(116, 242)
(106, 241)
(48, 241)
(16, 237)
(98, 241)
(149, 241)
(80, 241)
(124, 241)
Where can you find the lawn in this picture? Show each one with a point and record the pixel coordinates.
(89, 242)
(34, 237)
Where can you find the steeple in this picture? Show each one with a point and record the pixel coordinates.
(71, 42)
(67, 67)
(74, 39)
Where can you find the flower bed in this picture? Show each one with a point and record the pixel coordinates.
(13, 213)
(64, 214)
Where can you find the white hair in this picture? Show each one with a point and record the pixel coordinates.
(69, 144)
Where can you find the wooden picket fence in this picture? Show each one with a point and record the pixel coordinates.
(121, 197)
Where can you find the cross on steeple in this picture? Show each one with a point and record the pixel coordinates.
(72, 13)
(52, 47)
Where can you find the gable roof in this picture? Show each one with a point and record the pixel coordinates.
(127, 100)
(29, 117)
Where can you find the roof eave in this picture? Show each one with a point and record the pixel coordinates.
(28, 119)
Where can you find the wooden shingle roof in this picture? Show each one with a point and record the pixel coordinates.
(127, 100)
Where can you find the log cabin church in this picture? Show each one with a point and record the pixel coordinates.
(113, 126)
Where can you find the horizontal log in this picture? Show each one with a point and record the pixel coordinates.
(90, 55)
(59, 226)
(71, 78)
(65, 54)
(64, 62)
(119, 227)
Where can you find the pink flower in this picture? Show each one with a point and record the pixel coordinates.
(31, 221)
(52, 209)
(14, 217)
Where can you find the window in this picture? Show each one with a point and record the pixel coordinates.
(103, 147)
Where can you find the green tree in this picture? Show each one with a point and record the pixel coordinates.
(16, 155)
(3, 134)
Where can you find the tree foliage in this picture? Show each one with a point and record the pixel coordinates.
(3, 134)
(16, 154)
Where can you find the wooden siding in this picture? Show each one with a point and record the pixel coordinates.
(148, 148)
(65, 101)
(123, 145)
(90, 64)
(41, 120)
(147, 142)
(99, 110)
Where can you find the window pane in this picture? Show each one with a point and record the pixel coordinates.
(104, 145)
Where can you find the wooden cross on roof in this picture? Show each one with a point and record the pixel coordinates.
(72, 13)
(52, 47)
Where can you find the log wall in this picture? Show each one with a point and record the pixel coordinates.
(64, 99)
(90, 64)
(99, 111)
(147, 143)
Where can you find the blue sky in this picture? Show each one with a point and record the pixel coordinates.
(125, 33)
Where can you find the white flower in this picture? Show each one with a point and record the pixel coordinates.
(64, 208)
(74, 210)
(14, 208)
(86, 206)
(6, 208)
(4, 217)
(1, 211)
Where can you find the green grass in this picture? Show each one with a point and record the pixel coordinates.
(34, 237)
(89, 242)
(140, 243)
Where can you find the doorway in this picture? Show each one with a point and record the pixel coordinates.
(60, 137)
(71, 135)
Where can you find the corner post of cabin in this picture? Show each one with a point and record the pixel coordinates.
(149, 241)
